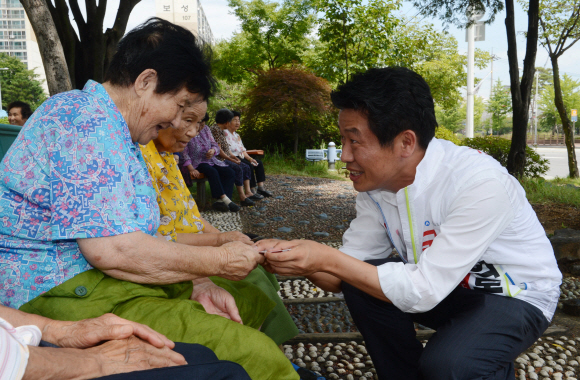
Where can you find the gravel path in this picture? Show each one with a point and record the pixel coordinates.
(321, 209)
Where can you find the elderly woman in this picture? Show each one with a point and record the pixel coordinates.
(258, 174)
(79, 211)
(181, 222)
(199, 157)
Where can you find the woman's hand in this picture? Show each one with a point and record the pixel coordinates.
(210, 153)
(234, 159)
(133, 354)
(302, 258)
(194, 174)
(216, 300)
(227, 237)
(90, 332)
(237, 260)
(254, 162)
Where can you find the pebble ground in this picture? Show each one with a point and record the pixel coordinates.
(321, 209)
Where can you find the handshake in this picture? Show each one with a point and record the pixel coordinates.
(287, 258)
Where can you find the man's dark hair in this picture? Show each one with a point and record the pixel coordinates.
(205, 118)
(236, 113)
(394, 99)
(224, 116)
(25, 109)
(171, 50)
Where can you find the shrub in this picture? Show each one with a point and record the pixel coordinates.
(446, 134)
(499, 149)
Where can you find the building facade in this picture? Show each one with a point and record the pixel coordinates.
(186, 13)
(17, 38)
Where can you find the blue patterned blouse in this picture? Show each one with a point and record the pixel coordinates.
(73, 172)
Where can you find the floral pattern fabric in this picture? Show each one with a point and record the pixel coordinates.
(235, 142)
(73, 172)
(220, 138)
(178, 210)
(194, 152)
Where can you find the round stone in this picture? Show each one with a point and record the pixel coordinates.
(322, 216)
(279, 197)
(321, 234)
(303, 222)
(277, 219)
(255, 213)
(285, 229)
(303, 204)
(341, 196)
(292, 211)
(261, 224)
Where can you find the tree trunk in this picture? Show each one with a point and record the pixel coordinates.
(521, 92)
(566, 123)
(296, 136)
(51, 50)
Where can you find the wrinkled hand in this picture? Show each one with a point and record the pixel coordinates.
(133, 354)
(210, 153)
(226, 237)
(304, 258)
(194, 174)
(237, 260)
(236, 159)
(90, 332)
(216, 300)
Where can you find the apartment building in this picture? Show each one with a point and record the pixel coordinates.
(186, 13)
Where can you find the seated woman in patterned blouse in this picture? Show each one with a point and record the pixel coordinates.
(79, 211)
(182, 223)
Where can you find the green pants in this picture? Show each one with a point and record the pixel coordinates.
(168, 310)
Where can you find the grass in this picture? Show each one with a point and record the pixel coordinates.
(538, 190)
(296, 165)
(566, 181)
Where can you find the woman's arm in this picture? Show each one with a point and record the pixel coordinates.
(141, 258)
(213, 239)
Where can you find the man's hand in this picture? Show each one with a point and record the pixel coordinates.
(133, 354)
(226, 237)
(210, 153)
(237, 260)
(90, 332)
(216, 300)
(303, 258)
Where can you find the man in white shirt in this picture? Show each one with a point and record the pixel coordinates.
(444, 236)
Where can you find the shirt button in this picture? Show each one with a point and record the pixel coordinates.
(81, 291)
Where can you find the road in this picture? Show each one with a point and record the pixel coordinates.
(558, 160)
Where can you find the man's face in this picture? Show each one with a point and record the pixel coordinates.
(15, 116)
(371, 166)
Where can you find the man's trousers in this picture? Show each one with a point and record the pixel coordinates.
(478, 335)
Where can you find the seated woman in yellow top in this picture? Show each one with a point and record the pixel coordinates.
(182, 223)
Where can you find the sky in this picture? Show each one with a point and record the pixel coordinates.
(223, 24)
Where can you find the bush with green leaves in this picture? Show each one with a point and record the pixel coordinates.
(499, 149)
(443, 133)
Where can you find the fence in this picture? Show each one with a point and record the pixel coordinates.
(548, 138)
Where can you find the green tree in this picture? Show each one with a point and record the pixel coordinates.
(499, 106)
(273, 35)
(355, 35)
(570, 96)
(290, 102)
(453, 11)
(19, 83)
(452, 118)
(560, 30)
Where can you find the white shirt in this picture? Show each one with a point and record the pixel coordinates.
(14, 353)
(235, 142)
(464, 220)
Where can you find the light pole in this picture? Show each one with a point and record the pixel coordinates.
(2, 69)
(473, 16)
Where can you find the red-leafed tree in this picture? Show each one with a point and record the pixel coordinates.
(289, 101)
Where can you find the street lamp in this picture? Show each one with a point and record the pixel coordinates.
(2, 69)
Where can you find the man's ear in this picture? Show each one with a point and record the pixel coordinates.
(407, 141)
(146, 81)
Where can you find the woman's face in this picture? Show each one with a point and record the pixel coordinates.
(236, 123)
(175, 139)
(153, 112)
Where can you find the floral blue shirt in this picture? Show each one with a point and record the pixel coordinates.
(73, 172)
